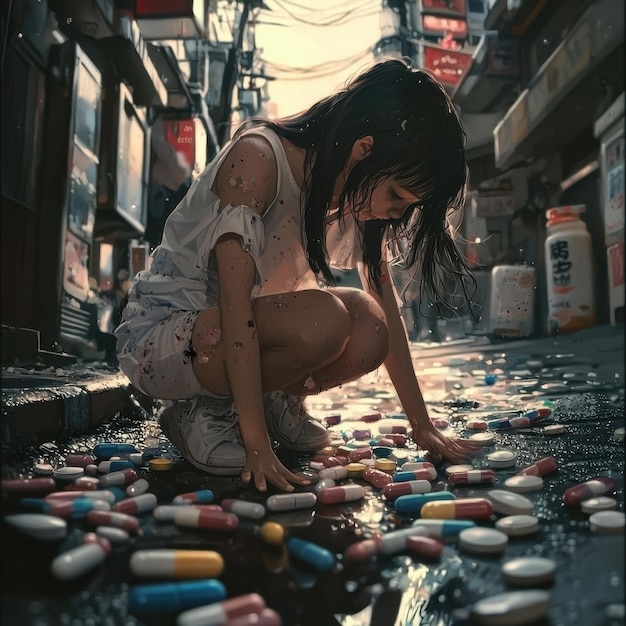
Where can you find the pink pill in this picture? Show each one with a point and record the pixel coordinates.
(376, 477)
(78, 460)
(541, 467)
(472, 477)
(476, 425)
(425, 547)
(135, 505)
(111, 518)
(27, 485)
(360, 453)
(392, 428)
(397, 438)
(211, 520)
(386, 442)
(441, 424)
(221, 613)
(371, 417)
(266, 617)
(361, 434)
(332, 420)
(330, 461)
(393, 490)
(589, 489)
(343, 493)
(519, 422)
(122, 477)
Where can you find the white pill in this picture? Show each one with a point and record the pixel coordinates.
(601, 503)
(528, 571)
(292, 501)
(339, 472)
(114, 535)
(38, 526)
(451, 469)
(481, 540)
(518, 525)
(74, 563)
(69, 473)
(165, 512)
(483, 439)
(554, 429)
(607, 522)
(508, 503)
(512, 608)
(138, 487)
(502, 458)
(522, 484)
(241, 508)
(324, 484)
(43, 469)
(618, 433)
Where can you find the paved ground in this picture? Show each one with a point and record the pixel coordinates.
(579, 377)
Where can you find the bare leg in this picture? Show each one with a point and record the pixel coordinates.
(299, 332)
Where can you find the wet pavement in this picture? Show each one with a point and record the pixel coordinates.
(580, 379)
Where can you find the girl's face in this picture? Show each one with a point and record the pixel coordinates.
(390, 200)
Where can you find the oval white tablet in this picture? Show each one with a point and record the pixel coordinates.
(38, 525)
(484, 439)
(518, 525)
(607, 522)
(554, 429)
(481, 540)
(69, 473)
(513, 608)
(522, 484)
(508, 503)
(502, 458)
(114, 535)
(528, 571)
(43, 469)
(618, 433)
(458, 468)
(600, 503)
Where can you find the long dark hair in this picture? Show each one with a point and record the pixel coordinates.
(418, 139)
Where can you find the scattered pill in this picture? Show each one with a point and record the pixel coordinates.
(166, 563)
(518, 525)
(86, 483)
(502, 458)
(355, 470)
(138, 487)
(272, 533)
(481, 540)
(38, 525)
(293, 501)
(117, 465)
(222, 613)
(618, 433)
(541, 467)
(420, 474)
(508, 503)
(528, 571)
(265, 617)
(392, 428)
(334, 473)
(424, 547)
(464, 508)
(393, 542)
(524, 484)
(119, 478)
(43, 469)
(160, 464)
(512, 608)
(126, 522)
(317, 557)
(324, 484)
(27, 485)
(385, 465)
(156, 598)
(376, 477)
(443, 529)
(360, 453)
(113, 535)
(607, 522)
(471, 477)
(136, 505)
(590, 488)
(192, 517)
(105, 495)
(554, 429)
(242, 508)
(476, 425)
(105, 451)
(483, 439)
(600, 503)
(78, 460)
(343, 493)
(203, 496)
(451, 469)
(413, 503)
(78, 561)
(392, 490)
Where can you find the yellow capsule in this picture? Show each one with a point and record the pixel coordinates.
(166, 563)
(272, 533)
(327, 451)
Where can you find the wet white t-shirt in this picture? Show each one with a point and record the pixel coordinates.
(183, 272)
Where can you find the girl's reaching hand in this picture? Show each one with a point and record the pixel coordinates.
(263, 464)
(442, 448)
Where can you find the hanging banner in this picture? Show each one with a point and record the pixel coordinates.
(455, 8)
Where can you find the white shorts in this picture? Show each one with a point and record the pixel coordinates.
(160, 363)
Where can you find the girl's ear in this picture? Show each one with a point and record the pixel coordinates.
(361, 148)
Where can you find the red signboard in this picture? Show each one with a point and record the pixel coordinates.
(159, 8)
(435, 25)
(448, 66)
(456, 8)
(181, 135)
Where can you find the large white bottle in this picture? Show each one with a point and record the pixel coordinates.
(569, 271)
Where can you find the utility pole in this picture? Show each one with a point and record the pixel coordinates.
(231, 71)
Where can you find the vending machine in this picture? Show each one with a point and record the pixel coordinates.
(609, 129)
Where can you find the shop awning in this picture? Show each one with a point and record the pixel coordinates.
(536, 123)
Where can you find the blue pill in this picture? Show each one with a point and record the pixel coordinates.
(381, 452)
(490, 379)
(107, 450)
(445, 529)
(174, 597)
(318, 558)
(119, 494)
(414, 502)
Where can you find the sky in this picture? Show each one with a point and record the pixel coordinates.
(311, 61)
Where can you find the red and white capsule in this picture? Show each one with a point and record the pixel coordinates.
(119, 479)
(193, 517)
(589, 489)
(136, 505)
(111, 518)
(472, 477)
(377, 477)
(392, 490)
(343, 493)
(541, 467)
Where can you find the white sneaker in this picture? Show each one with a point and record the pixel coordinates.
(206, 432)
(291, 425)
